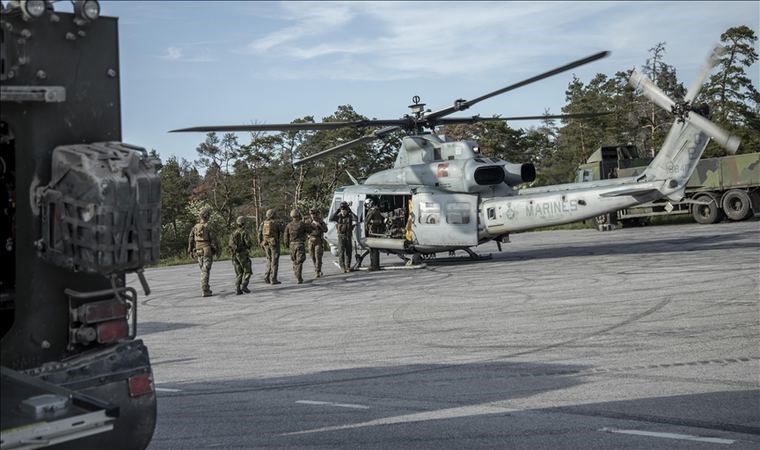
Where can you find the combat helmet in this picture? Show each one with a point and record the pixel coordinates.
(270, 213)
(295, 214)
(240, 221)
(205, 213)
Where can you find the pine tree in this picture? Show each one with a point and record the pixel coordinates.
(730, 94)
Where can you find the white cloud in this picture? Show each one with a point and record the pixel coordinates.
(177, 53)
(311, 19)
(396, 40)
(173, 53)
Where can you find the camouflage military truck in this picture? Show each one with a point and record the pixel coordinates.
(726, 187)
(80, 209)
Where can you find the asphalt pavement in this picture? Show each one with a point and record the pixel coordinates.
(636, 338)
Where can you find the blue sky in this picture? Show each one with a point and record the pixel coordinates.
(211, 63)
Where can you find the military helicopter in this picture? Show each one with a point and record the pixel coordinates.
(443, 196)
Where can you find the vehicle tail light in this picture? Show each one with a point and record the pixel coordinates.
(112, 330)
(140, 385)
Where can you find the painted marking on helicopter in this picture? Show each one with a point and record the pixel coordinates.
(552, 208)
(443, 170)
(511, 213)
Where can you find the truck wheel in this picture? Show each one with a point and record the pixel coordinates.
(736, 205)
(707, 213)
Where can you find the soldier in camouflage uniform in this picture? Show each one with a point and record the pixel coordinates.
(316, 238)
(295, 235)
(269, 238)
(202, 245)
(344, 226)
(240, 245)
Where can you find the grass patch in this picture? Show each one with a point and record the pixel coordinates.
(671, 220)
(256, 252)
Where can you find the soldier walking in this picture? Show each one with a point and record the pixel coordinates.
(269, 238)
(295, 235)
(202, 245)
(240, 245)
(374, 226)
(344, 226)
(316, 238)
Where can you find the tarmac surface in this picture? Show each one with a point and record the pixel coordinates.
(635, 338)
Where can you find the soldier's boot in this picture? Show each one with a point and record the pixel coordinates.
(267, 280)
(274, 281)
(207, 293)
(245, 288)
(238, 291)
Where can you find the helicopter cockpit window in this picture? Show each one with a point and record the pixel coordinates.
(458, 213)
(430, 212)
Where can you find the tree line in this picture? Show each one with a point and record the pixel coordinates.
(237, 178)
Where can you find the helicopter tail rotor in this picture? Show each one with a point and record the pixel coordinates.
(684, 112)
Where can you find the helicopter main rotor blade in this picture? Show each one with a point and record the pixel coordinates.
(725, 139)
(710, 62)
(362, 140)
(476, 119)
(294, 126)
(460, 105)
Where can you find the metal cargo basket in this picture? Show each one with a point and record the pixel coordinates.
(101, 211)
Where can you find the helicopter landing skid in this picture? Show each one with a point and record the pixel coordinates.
(471, 256)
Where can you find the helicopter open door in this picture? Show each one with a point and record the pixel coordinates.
(445, 219)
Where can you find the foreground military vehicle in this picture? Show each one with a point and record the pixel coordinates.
(726, 187)
(80, 210)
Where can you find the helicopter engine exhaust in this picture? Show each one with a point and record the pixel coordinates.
(515, 174)
(489, 175)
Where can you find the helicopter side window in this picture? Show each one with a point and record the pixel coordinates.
(430, 213)
(491, 213)
(458, 213)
